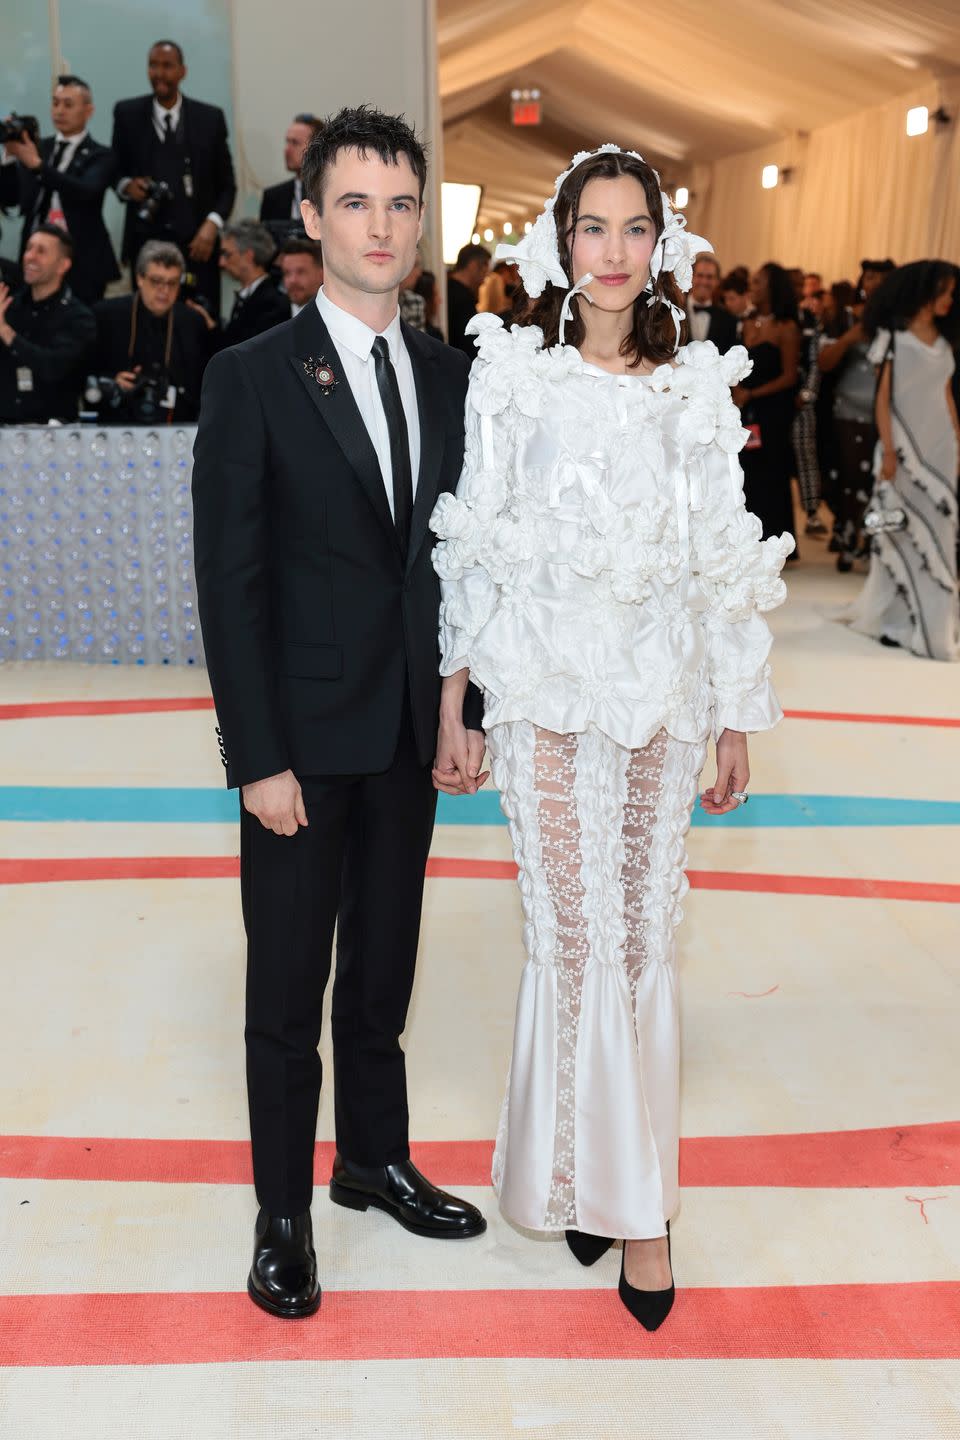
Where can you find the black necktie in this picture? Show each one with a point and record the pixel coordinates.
(238, 300)
(702, 309)
(58, 150)
(167, 129)
(399, 442)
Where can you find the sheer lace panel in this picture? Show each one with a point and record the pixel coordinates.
(554, 771)
(644, 791)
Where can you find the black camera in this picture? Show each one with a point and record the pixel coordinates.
(158, 193)
(20, 127)
(143, 402)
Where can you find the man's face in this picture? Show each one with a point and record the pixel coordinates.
(165, 72)
(236, 262)
(370, 224)
(872, 280)
(44, 261)
(159, 287)
(812, 284)
(70, 110)
(706, 276)
(734, 303)
(476, 272)
(295, 141)
(302, 277)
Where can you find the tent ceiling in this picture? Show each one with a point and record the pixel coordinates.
(685, 83)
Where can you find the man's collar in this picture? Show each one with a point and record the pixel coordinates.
(248, 290)
(78, 139)
(159, 111)
(355, 334)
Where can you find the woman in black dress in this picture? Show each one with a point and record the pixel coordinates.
(767, 399)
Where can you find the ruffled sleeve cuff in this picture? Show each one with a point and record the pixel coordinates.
(757, 709)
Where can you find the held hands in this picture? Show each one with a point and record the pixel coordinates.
(456, 769)
(277, 802)
(201, 246)
(733, 773)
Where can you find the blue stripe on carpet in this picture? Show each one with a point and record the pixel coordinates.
(206, 806)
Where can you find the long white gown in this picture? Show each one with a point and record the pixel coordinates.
(910, 594)
(602, 581)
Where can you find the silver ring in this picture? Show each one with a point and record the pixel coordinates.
(740, 795)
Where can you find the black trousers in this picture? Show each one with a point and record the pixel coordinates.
(358, 865)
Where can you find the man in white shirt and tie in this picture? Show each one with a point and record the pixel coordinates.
(707, 320)
(280, 204)
(62, 181)
(322, 448)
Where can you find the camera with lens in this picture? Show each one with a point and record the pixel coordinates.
(145, 402)
(158, 193)
(20, 127)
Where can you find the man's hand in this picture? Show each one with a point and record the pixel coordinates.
(733, 773)
(126, 379)
(277, 803)
(208, 319)
(25, 151)
(201, 246)
(456, 769)
(136, 189)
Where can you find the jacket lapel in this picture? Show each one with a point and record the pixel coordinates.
(338, 409)
(430, 410)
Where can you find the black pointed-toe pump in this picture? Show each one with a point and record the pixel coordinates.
(649, 1307)
(586, 1247)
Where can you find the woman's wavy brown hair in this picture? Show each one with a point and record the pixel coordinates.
(654, 336)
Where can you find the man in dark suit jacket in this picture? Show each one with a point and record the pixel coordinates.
(246, 250)
(280, 204)
(62, 182)
(322, 448)
(708, 320)
(170, 138)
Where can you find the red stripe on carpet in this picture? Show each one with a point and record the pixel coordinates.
(808, 1322)
(907, 1155)
(225, 867)
(946, 721)
(53, 709)
(56, 709)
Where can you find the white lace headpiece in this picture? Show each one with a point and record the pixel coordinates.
(538, 253)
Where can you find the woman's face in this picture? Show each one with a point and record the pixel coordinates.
(614, 240)
(944, 301)
(760, 290)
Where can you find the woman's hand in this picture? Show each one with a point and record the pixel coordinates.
(733, 773)
(888, 465)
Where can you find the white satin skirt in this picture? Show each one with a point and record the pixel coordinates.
(589, 1133)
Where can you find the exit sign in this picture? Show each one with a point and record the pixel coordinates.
(525, 112)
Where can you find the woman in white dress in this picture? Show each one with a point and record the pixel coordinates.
(910, 595)
(601, 583)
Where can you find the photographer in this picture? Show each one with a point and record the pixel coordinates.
(45, 336)
(62, 181)
(151, 347)
(177, 174)
(247, 249)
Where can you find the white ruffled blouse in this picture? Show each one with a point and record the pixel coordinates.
(597, 563)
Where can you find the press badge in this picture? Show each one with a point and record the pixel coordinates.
(24, 379)
(188, 185)
(170, 399)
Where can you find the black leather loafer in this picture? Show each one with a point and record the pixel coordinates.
(283, 1278)
(401, 1191)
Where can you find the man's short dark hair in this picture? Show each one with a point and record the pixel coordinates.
(300, 245)
(76, 83)
(58, 233)
(170, 45)
(468, 253)
(367, 131)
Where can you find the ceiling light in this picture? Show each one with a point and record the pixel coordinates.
(507, 227)
(770, 176)
(527, 226)
(682, 196)
(476, 238)
(917, 120)
(488, 235)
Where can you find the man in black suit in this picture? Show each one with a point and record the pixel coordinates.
(322, 448)
(62, 181)
(246, 251)
(463, 287)
(708, 320)
(281, 203)
(45, 336)
(169, 139)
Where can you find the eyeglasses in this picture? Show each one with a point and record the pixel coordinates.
(161, 282)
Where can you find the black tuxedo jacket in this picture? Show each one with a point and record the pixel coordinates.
(205, 140)
(723, 328)
(315, 626)
(81, 188)
(265, 308)
(276, 202)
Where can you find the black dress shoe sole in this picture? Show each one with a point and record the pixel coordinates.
(284, 1312)
(362, 1200)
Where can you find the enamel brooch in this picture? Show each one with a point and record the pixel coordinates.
(322, 373)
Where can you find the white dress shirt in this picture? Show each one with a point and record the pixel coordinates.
(354, 342)
(54, 214)
(160, 127)
(699, 324)
(297, 197)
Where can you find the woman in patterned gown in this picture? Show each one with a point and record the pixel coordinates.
(601, 583)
